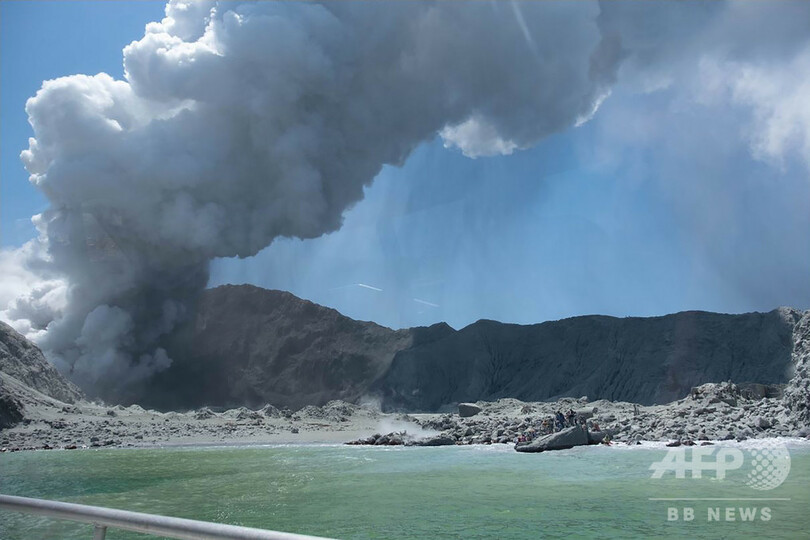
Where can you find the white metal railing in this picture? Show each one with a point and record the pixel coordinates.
(172, 527)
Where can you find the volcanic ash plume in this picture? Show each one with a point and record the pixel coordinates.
(237, 124)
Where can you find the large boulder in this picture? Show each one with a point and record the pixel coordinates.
(468, 409)
(567, 438)
(438, 440)
(760, 391)
(596, 437)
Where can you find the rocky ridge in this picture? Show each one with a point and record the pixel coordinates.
(643, 360)
(39, 409)
(249, 346)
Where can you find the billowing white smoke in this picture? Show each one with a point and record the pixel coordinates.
(240, 123)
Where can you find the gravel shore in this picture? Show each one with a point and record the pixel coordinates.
(711, 412)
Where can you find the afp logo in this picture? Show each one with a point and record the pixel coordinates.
(770, 463)
(770, 466)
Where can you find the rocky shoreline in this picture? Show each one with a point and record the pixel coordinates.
(39, 409)
(712, 412)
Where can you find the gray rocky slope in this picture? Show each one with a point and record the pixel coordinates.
(21, 359)
(251, 346)
(641, 360)
(24, 372)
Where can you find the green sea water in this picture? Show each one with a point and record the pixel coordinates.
(394, 492)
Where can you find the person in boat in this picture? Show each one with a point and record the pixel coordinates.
(560, 420)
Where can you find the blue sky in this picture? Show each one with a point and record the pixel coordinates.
(45, 40)
(656, 205)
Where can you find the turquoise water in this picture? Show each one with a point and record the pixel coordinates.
(362, 492)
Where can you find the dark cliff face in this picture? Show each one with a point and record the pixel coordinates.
(645, 360)
(250, 346)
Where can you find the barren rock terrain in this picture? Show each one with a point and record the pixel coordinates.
(316, 353)
(249, 346)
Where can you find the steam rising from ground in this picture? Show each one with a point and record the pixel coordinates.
(240, 123)
(411, 429)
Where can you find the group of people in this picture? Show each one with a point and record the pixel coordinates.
(555, 423)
